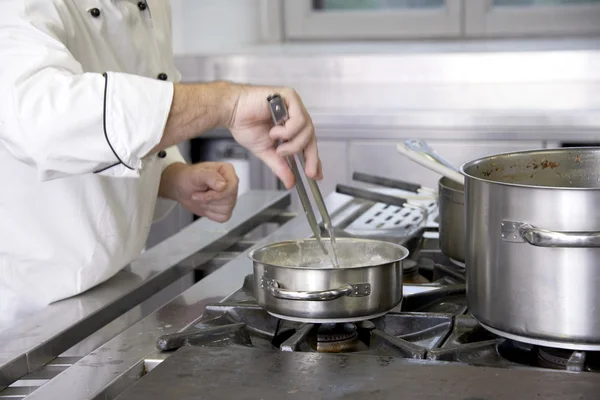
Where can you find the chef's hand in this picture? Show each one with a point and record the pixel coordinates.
(207, 189)
(252, 126)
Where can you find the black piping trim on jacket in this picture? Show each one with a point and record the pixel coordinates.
(104, 123)
(109, 167)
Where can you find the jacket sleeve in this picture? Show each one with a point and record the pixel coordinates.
(64, 121)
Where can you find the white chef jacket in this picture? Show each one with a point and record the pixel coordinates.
(85, 92)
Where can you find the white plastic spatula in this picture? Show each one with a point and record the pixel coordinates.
(421, 153)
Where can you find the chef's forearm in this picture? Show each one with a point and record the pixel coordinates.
(198, 108)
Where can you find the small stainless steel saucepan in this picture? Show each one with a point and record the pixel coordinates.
(293, 280)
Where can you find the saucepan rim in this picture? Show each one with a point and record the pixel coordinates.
(470, 164)
(404, 250)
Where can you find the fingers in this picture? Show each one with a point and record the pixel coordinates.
(213, 197)
(217, 217)
(208, 179)
(313, 167)
(279, 166)
(228, 172)
(221, 182)
(217, 213)
(298, 130)
(298, 143)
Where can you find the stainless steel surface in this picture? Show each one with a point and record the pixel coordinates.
(452, 223)
(494, 92)
(520, 232)
(250, 373)
(547, 294)
(293, 279)
(34, 342)
(114, 366)
(465, 99)
(280, 115)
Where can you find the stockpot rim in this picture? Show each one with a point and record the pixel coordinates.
(404, 250)
(470, 164)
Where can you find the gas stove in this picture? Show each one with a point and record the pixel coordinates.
(429, 346)
(432, 324)
(209, 338)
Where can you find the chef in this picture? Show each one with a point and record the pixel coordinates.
(90, 116)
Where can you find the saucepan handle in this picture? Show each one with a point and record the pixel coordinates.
(350, 290)
(520, 232)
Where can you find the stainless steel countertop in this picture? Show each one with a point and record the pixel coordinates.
(114, 366)
(34, 342)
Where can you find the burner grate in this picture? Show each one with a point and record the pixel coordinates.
(431, 324)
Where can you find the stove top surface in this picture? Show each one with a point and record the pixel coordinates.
(431, 323)
(429, 346)
(235, 372)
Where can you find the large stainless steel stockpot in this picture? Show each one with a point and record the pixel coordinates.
(294, 280)
(451, 205)
(533, 245)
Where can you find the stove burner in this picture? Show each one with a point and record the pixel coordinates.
(337, 338)
(517, 352)
(476, 334)
(553, 358)
(548, 357)
(410, 273)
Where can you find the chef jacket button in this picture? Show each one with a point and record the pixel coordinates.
(162, 154)
(142, 5)
(95, 12)
(162, 76)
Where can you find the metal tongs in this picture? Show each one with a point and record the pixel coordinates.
(280, 115)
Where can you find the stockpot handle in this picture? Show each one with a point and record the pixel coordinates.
(520, 232)
(350, 290)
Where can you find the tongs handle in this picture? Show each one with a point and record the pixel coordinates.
(314, 188)
(280, 115)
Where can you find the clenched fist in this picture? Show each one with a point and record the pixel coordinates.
(207, 189)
